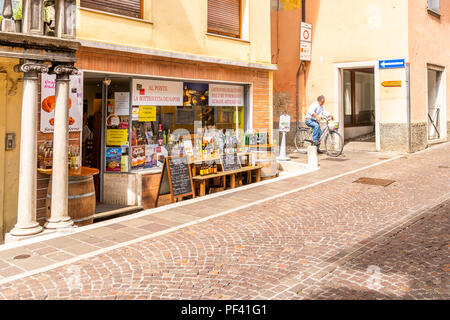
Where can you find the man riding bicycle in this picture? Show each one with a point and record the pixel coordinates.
(315, 112)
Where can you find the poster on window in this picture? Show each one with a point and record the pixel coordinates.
(221, 95)
(48, 101)
(157, 93)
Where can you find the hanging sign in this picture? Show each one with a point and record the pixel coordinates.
(147, 113)
(221, 95)
(157, 92)
(48, 101)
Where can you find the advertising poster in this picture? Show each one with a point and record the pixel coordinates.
(48, 92)
(151, 156)
(113, 159)
(138, 157)
(157, 93)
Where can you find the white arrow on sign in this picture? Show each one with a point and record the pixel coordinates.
(384, 63)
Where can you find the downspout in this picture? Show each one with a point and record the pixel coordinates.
(408, 105)
(299, 68)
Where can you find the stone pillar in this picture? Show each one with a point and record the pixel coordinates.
(33, 16)
(65, 18)
(59, 207)
(8, 24)
(26, 211)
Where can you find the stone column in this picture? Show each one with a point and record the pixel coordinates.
(7, 22)
(26, 211)
(59, 207)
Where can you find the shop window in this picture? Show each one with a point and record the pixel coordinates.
(131, 8)
(225, 17)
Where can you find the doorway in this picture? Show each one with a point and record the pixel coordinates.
(436, 104)
(357, 104)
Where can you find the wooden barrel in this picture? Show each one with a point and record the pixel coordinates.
(81, 200)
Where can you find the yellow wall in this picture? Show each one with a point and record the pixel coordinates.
(428, 37)
(355, 31)
(10, 115)
(181, 26)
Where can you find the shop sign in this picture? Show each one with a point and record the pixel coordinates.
(147, 113)
(221, 95)
(285, 123)
(116, 137)
(48, 93)
(157, 92)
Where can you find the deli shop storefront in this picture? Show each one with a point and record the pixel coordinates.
(132, 130)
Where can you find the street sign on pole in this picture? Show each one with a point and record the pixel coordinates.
(305, 41)
(392, 64)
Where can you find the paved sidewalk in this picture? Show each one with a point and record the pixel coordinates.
(265, 242)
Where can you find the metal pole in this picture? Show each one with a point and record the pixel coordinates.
(298, 71)
(103, 137)
(408, 103)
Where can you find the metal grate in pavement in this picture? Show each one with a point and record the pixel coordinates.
(444, 167)
(374, 182)
(21, 257)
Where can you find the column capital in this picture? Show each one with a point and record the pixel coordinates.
(64, 70)
(31, 67)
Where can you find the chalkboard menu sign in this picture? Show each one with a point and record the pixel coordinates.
(230, 162)
(176, 178)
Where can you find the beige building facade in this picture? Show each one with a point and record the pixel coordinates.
(404, 106)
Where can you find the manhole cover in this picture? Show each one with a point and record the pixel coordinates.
(21, 257)
(336, 159)
(375, 182)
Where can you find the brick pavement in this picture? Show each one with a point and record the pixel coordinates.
(298, 246)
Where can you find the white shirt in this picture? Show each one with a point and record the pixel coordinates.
(317, 109)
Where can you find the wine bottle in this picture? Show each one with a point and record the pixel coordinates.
(160, 137)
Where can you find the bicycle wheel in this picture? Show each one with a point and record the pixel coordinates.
(301, 136)
(334, 144)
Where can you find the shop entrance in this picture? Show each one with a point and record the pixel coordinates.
(436, 110)
(131, 125)
(98, 102)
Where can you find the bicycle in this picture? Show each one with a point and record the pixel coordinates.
(334, 144)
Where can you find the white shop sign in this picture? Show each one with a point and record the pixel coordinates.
(221, 95)
(122, 103)
(157, 93)
(285, 123)
(48, 92)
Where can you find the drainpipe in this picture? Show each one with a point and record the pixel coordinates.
(299, 68)
(408, 105)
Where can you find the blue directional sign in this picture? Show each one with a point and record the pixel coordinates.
(391, 64)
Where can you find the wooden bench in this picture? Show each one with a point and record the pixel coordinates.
(202, 179)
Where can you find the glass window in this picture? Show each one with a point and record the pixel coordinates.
(433, 5)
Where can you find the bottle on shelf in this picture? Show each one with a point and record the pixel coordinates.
(160, 138)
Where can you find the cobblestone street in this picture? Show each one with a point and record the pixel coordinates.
(332, 240)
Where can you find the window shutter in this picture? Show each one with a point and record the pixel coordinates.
(131, 8)
(224, 17)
